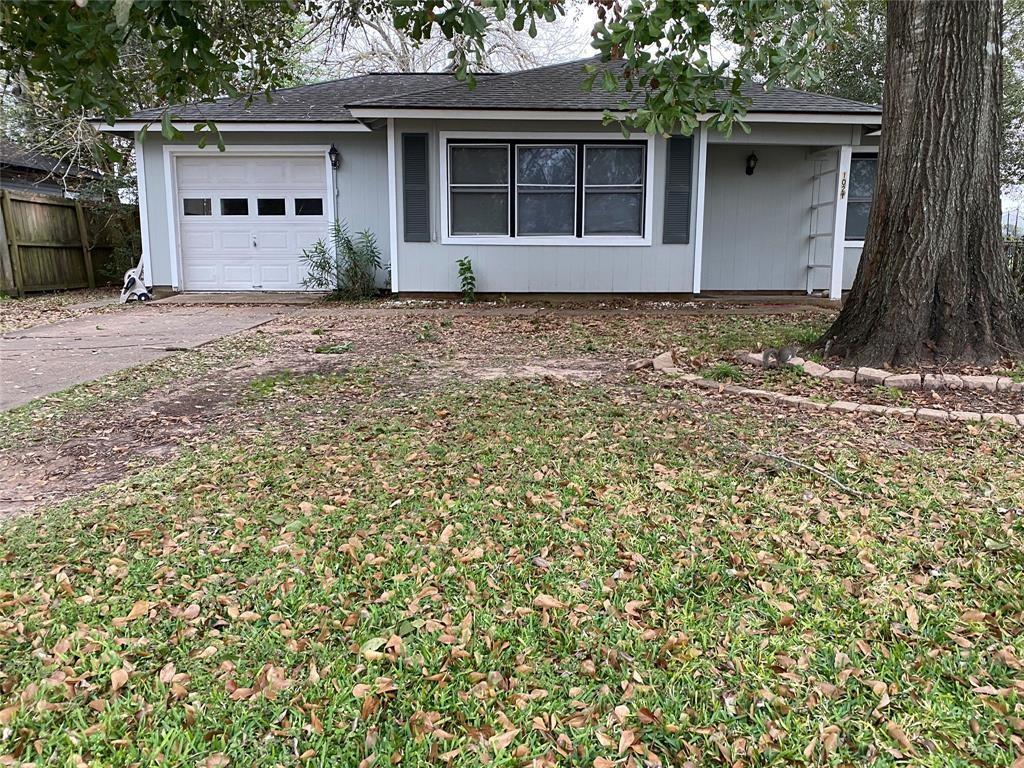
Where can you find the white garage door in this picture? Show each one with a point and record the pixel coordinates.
(245, 220)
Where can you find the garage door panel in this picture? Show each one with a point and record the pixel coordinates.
(274, 275)
(202, 276)
(261, 252)
(235, 240)
(273, 240)
(198, 241)
(238, 273)
(305, 170)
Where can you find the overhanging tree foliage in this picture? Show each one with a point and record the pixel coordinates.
(932, 282)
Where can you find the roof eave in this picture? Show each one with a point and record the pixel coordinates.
(128, 127)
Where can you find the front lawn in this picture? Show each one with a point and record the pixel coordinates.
(398, 570)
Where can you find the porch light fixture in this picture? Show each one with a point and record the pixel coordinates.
(335, 157)
(751, 163)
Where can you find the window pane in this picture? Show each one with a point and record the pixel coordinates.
(546, 165)
(309, 206)
(198, 206)
(479, 212)
(546, 211)
(483, 164)
(234, 206)
(614, 165)
(862, 177)
(270, 206)
(614, 212)
(857, 220)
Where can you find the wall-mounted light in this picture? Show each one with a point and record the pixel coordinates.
(335, 157)
(751, 163)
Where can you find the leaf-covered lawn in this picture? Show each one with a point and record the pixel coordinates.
(527, 573)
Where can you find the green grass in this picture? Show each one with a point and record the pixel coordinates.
(525, 572)
(378, 587)
(723, 371)
(334, 349)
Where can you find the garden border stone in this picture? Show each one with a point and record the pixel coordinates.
(840, 407)
(880, 377)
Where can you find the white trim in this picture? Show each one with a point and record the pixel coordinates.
(172, 151)
(591, 240)
(270, 126)
(835, 290)
(393, 205)
(698, 224)
(841, 118)
(140, 177)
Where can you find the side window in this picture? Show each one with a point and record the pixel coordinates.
(859, 194)
(613, 190)
(198, 206)
(478, 189)
(309, 206)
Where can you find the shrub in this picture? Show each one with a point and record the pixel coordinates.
(467, 279)
(345, 265)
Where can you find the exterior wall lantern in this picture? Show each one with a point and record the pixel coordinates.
(751, 163)
(335, 157)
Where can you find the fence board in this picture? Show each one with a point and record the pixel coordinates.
(46, 244)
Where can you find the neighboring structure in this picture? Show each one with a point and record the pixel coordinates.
(520, 175)
(22, 170)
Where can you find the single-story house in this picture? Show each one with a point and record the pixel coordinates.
(25, 170)
(520, 175)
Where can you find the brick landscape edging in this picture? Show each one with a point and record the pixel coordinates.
(665, 363)
(879, 377)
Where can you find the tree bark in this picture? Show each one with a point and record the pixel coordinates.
(933, 284)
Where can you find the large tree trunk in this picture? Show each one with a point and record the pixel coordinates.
(933, 284)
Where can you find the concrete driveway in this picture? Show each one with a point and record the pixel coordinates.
(49, 358)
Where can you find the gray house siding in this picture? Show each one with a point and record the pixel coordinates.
(362, 189)
(657, 268)
(756, 227)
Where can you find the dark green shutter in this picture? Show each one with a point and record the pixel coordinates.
(415, 200)
(678, 181)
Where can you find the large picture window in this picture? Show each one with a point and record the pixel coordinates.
(533, 188)
(861, 191)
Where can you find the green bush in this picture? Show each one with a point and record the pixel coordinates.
(343, 264)
(467, 279)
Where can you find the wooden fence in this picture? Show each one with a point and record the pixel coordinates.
(1015, 256)
(45, 244)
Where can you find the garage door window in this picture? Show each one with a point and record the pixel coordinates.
(270, 206)
(198, 206)
(309, 206)
(234, 206)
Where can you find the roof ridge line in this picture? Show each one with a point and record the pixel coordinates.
(495, 75)
(820, 95)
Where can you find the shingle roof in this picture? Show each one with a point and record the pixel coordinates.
(560, 87)
(14, 156)
(319, 102)
(555, 87)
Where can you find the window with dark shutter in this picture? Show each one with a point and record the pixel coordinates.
(678, 181)
(415, 201)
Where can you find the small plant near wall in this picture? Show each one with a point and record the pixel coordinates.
(467, 280)
(344, 264)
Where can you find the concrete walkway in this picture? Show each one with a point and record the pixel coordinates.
(49, 358)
